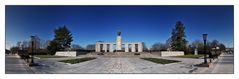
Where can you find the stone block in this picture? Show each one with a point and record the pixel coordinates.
(171, 53)
(66, 53)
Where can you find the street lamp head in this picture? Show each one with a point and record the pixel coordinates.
(204, 36)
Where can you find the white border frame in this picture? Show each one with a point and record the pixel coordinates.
(117, 2)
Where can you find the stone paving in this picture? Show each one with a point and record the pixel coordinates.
(223, 65)
(116, 65)
(15, 65)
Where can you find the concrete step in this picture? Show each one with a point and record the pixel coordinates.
(122, 54)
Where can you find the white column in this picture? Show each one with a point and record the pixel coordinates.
(105, 47)
(126, 47)
(140, 47)
(97, 48)
(133, 47)
(111, 47)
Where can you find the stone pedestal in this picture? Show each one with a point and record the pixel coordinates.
(118, 43)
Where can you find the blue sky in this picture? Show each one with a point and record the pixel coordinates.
(149, 24)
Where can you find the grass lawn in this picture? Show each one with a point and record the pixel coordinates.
(160, 61)
(48, 56)
(190, 56)
(74, 61)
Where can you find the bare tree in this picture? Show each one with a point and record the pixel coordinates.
(46, 44)
(197, 44)
(19, 44)
(37, 42)
(24, 45)
(144, 46)
(214, 44)
(168, 44)
(90, 47)
(76, 47)
(158, 46)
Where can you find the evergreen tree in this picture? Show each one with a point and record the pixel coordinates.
(62, 40)
(53, 47)
(178, 41)
(64, 37)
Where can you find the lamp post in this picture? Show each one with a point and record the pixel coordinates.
(205, 42)
(32, 49)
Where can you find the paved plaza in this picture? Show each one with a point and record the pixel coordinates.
(116, 65)
(15, 65)
(104, 64)
(224, 65)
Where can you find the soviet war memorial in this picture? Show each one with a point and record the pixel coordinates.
(117, 47)
(119, 40)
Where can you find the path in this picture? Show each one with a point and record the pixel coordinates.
(114, 65)
(225, 64)
(15, 65)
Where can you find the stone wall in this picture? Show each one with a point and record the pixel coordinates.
(171, 53)
(66, 53)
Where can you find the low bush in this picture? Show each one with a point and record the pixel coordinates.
(160, 61)
(136, 53)
(74, 61)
